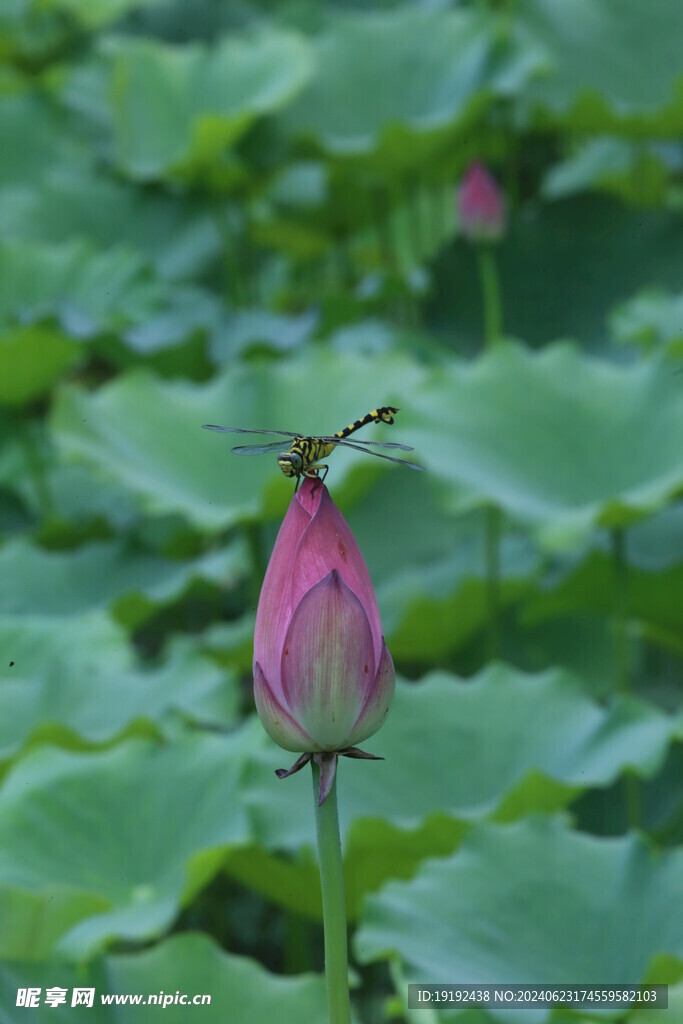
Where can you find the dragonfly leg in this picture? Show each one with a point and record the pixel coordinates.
(313, 473)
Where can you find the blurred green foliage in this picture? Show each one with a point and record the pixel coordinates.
(245, 213)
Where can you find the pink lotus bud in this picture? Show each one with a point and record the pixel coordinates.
(481, 206)
(323, 677)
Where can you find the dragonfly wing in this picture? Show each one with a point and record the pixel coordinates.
(276, 446)
(241, 430)
(371, 444)
(258, 449)
(378, 455)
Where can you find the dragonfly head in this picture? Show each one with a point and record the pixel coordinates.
(290, 463)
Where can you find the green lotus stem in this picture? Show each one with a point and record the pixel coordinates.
(35, 465)
(622, 654)
(621, 637)
(493, 327)
(490, 287)
(334, 903)
(493, 533)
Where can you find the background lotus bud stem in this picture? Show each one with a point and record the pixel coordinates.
(334, 902)
(493, 329)
(490, 290)
(493, 530)
(483, 218)
(483, 215)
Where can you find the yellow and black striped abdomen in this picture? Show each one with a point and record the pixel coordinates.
(383, 415)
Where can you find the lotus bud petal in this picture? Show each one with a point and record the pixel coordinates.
(323, 677)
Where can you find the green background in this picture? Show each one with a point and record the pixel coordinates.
(245, 213)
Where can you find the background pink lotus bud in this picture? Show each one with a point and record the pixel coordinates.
(323, 677)
(481, 206)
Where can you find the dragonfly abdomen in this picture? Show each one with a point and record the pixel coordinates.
(381, 415)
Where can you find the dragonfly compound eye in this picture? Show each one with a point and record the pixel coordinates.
(290, 463)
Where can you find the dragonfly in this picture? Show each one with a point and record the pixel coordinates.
(304, 454)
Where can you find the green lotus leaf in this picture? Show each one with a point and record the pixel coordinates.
(546, 292)
(653, 544)
(231, 644)
(258, 329)
(460, 917)
(70, 499)
(634, 171)
(52, 583)
(593, 445)
(175, 235)
(27, 26)
(86, 290)
(36, 140)
(516, 744)
(128, 834)
(444, 68)
(177, 108)
(92, 16)
(675, 1010)
(646, 589)
(146, 433)
(653, 598)
(586, 92)
(73, 702)
(183, 966)
(34, 642)
(434, 599)
(39, 357)
(652, 320)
